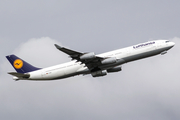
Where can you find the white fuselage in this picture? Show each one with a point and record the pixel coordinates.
(124, 55)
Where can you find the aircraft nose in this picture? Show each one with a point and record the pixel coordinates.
(172, 44)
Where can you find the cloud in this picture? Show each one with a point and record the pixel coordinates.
(41, 51)
(145, 89)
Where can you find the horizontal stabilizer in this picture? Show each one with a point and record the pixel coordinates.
(26, 75)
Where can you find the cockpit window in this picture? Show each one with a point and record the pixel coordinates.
(167, 41)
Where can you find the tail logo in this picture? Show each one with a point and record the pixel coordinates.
(18, 64)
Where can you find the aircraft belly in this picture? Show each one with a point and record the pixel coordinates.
(67, 72)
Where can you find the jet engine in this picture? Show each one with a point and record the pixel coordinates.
(98, 73)
(114, 69)
(88, 56)
(109, 60)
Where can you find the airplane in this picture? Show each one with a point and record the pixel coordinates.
(88, 63)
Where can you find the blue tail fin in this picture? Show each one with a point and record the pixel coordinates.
(20, 65)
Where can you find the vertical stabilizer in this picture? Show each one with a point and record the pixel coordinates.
(20, 65)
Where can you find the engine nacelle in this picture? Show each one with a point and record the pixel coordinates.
(98, 73)
(88, 56)
(114, 69)
(109, 60)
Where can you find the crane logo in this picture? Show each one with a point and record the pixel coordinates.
(18, 64)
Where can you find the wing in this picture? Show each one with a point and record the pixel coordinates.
(89, 59)
(71, 53)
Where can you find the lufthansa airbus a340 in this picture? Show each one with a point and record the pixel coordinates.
(88, 63)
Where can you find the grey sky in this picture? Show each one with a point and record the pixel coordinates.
(147, 89)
